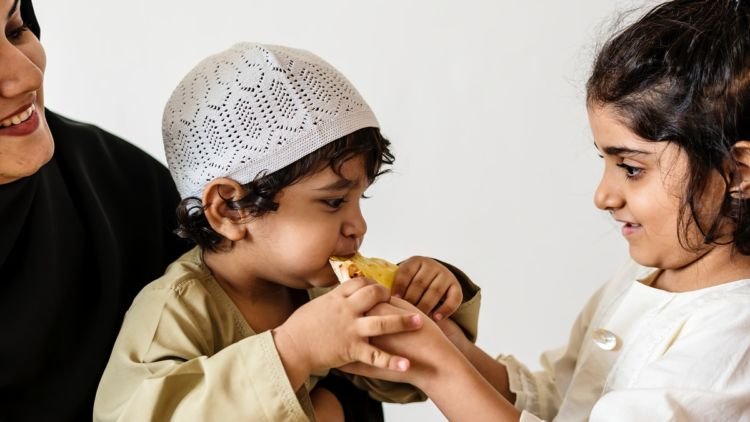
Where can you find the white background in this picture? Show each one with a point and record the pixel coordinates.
(483, 101)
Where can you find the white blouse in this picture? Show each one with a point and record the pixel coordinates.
(637, 353)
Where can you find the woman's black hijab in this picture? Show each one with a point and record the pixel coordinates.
(29, 18)
(78, 239)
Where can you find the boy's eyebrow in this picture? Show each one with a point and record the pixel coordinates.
(13, 9)
(339, 184)
(621, 151)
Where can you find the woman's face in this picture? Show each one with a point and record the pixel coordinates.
(25, 140)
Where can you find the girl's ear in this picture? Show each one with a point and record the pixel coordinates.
(223, 219)
(740, 188)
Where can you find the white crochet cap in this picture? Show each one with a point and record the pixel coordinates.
(254, 109)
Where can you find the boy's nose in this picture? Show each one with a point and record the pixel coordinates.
(355, 224)
(18, 74)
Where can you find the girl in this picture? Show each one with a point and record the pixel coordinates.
(669, 107)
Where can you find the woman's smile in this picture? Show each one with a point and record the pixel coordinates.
(22, 123)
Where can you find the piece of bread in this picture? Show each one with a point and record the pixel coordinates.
(379, 270)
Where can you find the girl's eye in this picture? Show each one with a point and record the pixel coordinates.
(16, 33)
(334, 203)
(630, 171)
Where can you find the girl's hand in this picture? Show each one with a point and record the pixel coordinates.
(427, 349)
(333, 330)
(429, 285)
(443, 372)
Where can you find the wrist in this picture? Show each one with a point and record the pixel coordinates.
(296, 363)
(462, 343)
(456, 336)
(453, 379)
(450, 365)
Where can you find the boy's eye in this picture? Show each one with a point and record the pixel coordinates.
(334, 203)
(630, 171)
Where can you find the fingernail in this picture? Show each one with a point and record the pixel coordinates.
(416, 319)
(438, 317)
(398, 295)
(403, 364)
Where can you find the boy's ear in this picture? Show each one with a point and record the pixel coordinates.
(223, 219)
(740, 187)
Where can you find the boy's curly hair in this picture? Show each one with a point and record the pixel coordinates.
(261, 192)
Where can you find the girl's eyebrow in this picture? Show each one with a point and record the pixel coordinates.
(621, 151)
(339, 184)
(13, 8)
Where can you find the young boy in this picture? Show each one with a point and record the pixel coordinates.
(271, 149)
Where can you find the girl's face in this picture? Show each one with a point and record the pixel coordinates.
(641, 187)
(25, 140)
(318, 217)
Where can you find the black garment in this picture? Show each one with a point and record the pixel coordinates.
(79, 239)
(358, 405)
(29, 18)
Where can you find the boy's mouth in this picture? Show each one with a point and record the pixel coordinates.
(350, 249)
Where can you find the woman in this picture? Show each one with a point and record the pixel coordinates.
(86, 222)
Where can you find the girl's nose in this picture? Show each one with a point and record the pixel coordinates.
(608, 196)
(18, 74)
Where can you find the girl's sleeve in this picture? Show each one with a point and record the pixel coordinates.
(703, 374)
(539, 393)
(163, 367)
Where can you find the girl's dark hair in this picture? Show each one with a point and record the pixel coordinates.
(261, 192)
(681, 74)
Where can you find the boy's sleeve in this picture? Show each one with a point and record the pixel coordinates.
(166, 365)
(467, 314)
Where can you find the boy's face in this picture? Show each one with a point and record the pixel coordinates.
(318, 217)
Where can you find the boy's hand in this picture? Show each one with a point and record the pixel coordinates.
(333, 330)
(429, 285)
